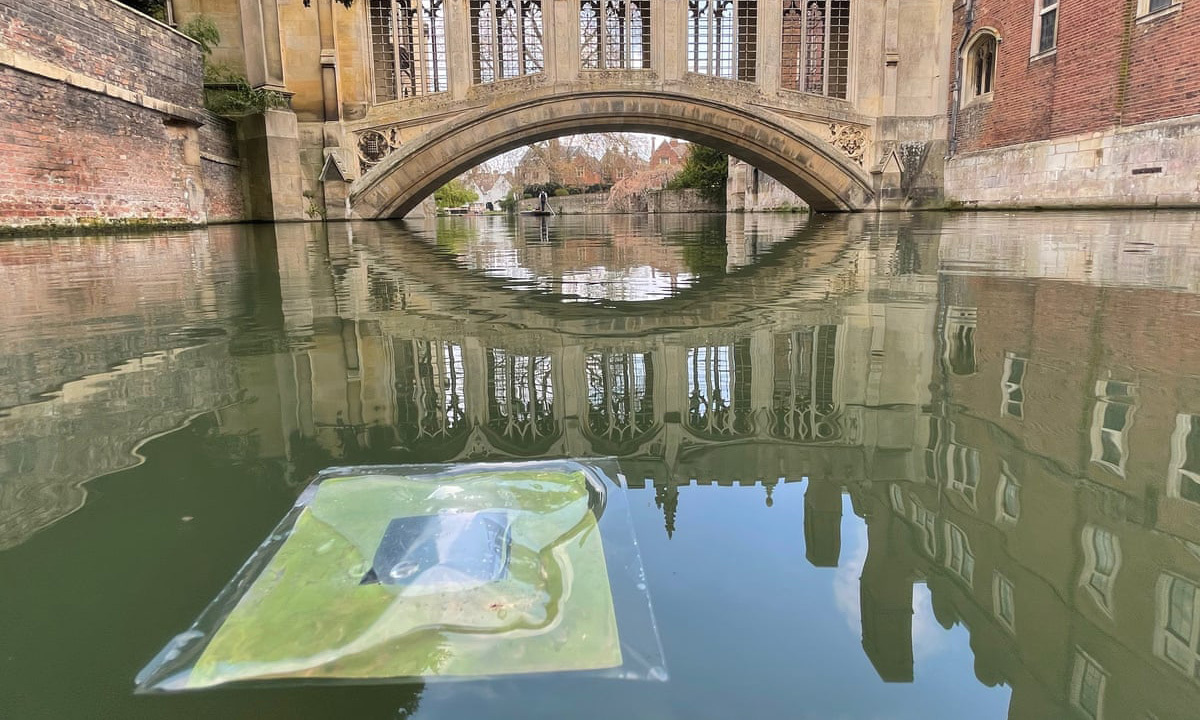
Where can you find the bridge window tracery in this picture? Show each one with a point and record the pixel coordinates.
(805, 405)
(614, 34)
(430, 390)
(816, 47)
(722, 38)
(506, 39)
(719, 390)
(408, 47)
(521, 400)
(620, 398)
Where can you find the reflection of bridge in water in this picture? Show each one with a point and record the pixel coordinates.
(653, 383)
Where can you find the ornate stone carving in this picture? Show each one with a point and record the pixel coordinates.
(375, 145)
(850, 139)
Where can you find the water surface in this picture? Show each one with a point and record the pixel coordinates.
(897, 466)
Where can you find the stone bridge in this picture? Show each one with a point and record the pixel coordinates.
(834, 98)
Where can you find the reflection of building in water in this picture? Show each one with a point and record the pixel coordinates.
(1053, 514)
(1028, 450)
(95, 360)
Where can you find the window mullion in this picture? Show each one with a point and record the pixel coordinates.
(825, 51)
(520, 32)
(805, 47)
(601, 33)
(394, 26)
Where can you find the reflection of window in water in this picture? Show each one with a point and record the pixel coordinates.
(962, 465)
(1087, 685)
(430, 387)
(1101, 563)
(1002, 600)
(931, 447)
(1183, 477)
(521, 395)
(1013, 404)
(927, 522)
(960, 340)
(924, 520)
(1008, 497)
(1177, 629)
(959, 557)
(805, 406)
(945, 459)
(1111, 418)
(719, 389)
(620, 395)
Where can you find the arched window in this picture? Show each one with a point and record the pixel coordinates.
(980, 67)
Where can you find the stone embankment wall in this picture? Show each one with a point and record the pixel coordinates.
(649, 201)
(100, 121)
(1151, 165)
(1109, 116)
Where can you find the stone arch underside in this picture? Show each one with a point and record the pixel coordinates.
(810, 167)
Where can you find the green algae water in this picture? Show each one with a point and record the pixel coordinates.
(896, 466)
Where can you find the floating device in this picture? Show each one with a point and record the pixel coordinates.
(382, 574)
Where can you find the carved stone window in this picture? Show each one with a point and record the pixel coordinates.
(614, 34)
(408, 47)
(722, 38)
(506, 39)
(816, 47)
(980, 70)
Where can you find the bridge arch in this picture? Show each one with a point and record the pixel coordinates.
(809, 166)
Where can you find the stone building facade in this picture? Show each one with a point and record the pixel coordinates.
(1075, 103)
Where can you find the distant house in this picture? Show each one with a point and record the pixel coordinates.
(554, 162)
(492, 187)
(669, 153)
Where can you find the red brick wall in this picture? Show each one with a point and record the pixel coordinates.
(1106, 71)
(107, 41)
(221, 170)
(1164, 67)
(73, 157)
(79, 156)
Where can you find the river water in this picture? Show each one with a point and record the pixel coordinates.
(897, 466)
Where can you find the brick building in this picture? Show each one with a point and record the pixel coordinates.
(669, 152)
(1074, 101)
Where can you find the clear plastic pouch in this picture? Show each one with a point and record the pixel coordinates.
(387, 573)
